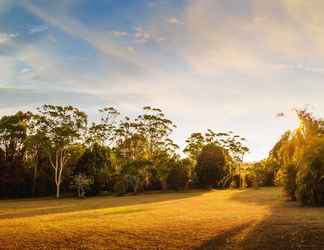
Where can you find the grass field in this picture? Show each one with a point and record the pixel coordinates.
(229, 219)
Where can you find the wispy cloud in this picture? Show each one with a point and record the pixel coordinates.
(142, 36)
(38, 29)
(119, 33)
(66, 22)
(213, 34)
(174, 20)
(300, 67)
(6, 38)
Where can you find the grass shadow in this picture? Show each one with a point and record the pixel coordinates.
(46, 206)
(289, 226)
(221, 241)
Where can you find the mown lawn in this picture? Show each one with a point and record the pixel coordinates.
(229, 219)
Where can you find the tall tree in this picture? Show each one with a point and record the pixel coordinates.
(62, 126)
(211, 166)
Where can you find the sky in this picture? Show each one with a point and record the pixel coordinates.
(208, 64)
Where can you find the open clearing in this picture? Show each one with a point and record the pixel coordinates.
(229, 219)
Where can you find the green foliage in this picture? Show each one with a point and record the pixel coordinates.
(136, 174)
(232, 145)
(300, 156)
(211, 166)
(120, 187)
(261, 174)
(287, 177)
(14, 177)
(95, 164)
(178, 177)
(310, 177)
(54, 151)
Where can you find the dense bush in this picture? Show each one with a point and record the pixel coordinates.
(261, 174)
(286, 177)
(300, 155)
(211, 166)
(120, 187)
(178, 177)
(96, 165)
(310, 178)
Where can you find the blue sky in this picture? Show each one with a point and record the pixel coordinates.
(218, 64)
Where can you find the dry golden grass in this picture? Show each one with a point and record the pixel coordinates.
(229, 219)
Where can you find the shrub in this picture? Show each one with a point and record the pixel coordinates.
(211, 166)
(310, 179)
(120, 187)
(178, 178)
(250, 180)
(288, 181)
(261, 175)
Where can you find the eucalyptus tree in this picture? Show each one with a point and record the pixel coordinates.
(145, 139)
(103, 133)
(195, 143)
(157, 129)
(232, 144)
(62, 126)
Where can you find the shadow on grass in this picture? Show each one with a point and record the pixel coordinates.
(223, 239)
(37, 207)
(287, 227)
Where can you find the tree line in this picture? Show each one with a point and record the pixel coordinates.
(54, 150)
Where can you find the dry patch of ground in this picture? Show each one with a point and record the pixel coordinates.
(229, 219)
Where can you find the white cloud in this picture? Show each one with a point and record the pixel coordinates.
(104, 43)
(38, 29)
(249, 38)
(25, 70)
(119, 33)
(142, 36)
(300, 67)
(174, 20)
(6, 38)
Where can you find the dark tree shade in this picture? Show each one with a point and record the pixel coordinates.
(211, 166)
(178, 177)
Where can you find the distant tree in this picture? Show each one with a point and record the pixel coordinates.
(211, 166)
(156, 129)
(63, 126)
(103, 133)
(233, 145)
(178, 177)
(195, 143)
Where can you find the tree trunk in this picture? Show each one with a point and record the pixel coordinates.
(34, 179)
(58, 190)
(164, 185)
